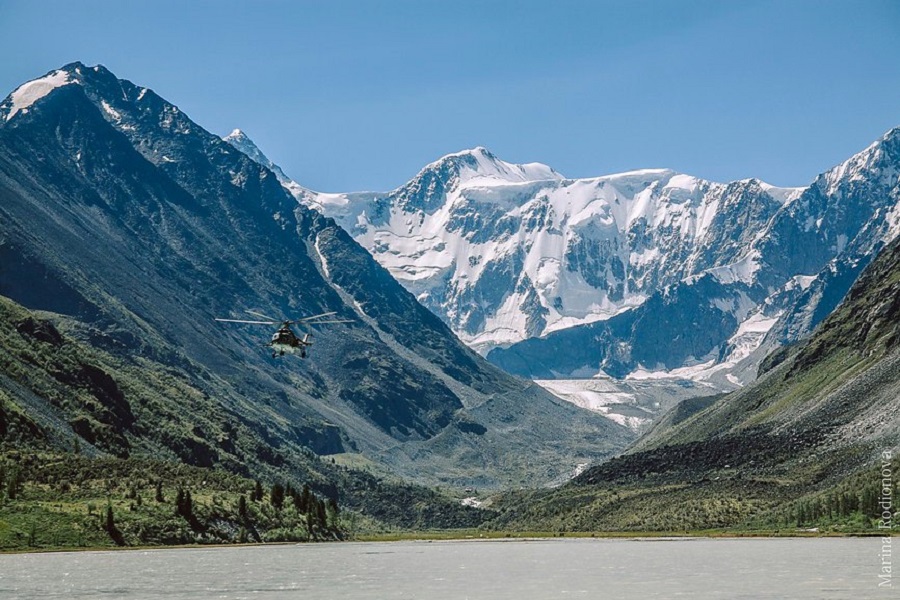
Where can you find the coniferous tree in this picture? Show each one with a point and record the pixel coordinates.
(13, 483)
(276, 497)
(242, 508)
(321, 517)
(110, 521)
(110, 527)
(184, 504)
(159, 492)
(305, 496)
(258, 492)
(333, 511)
(309, 525)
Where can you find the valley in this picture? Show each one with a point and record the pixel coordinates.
(513, 350)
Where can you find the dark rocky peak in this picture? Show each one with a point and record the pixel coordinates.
(75, 102)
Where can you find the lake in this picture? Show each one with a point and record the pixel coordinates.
(543, 569)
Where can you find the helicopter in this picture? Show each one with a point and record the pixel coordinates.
(284, 340)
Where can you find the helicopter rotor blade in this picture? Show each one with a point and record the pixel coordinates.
(250, 322)
(306, 319)
(258, 314)
(335, 321)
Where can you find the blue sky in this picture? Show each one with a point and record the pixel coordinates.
(360, 95)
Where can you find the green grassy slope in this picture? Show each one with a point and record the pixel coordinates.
(82, 429)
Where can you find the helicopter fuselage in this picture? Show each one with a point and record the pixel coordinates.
(285, 341)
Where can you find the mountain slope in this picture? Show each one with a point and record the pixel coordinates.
(778, 452)
(138, 227)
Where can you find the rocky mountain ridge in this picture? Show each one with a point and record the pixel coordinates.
(555, 277)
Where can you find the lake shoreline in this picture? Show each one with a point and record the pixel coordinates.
(469, 536)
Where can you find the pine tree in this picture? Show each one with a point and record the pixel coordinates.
(276, 497)
(333, 512)
(309, 525)
(159, 492)
(111, 528)
(305, 495)
(321, 517)
(242, 508)
(110, 521)
(13, 484)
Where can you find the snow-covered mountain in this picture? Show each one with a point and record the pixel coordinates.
(765, 277)
(506, 253)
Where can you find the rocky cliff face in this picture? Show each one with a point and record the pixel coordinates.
(137, 227)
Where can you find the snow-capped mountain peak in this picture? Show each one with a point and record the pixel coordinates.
(242, 142)
(880, 159)
(30, 92)
(26, 95)
(477, 166)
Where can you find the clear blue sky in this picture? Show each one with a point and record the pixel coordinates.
(360, 95)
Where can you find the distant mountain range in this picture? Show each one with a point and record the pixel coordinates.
(129, 227)
(632, 275)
